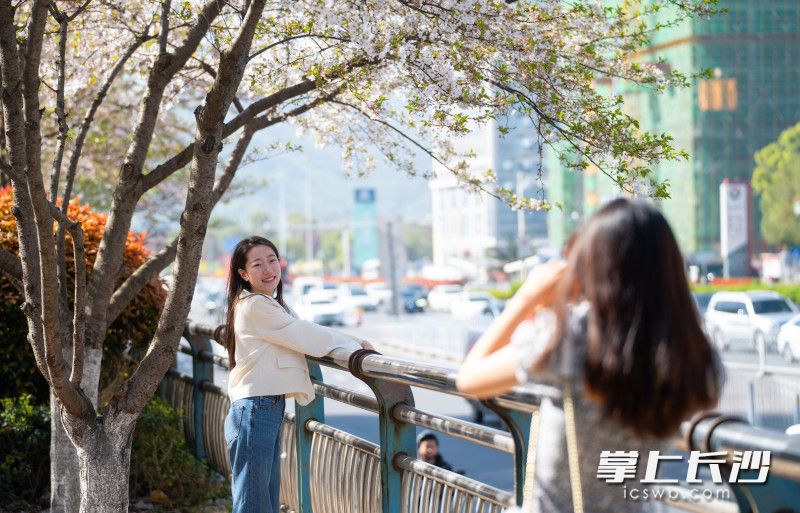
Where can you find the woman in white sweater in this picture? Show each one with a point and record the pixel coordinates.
(266, 354)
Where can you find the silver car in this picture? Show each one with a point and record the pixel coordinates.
(751, 319)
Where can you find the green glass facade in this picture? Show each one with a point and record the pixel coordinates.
(753, 52)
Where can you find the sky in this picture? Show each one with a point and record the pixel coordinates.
(330, 191)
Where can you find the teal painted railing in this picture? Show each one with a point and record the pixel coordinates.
(350, 474)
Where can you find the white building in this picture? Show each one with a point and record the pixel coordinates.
(471, 231)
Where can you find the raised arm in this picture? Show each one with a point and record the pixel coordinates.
(490, 367)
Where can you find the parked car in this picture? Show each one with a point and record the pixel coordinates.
(701, 300)
(789, 340)
(751, 318)
(379, 291)
(413, 298)
(321, 307)
(361, 299)
(442, 296)
(302, 284)
(470, 304)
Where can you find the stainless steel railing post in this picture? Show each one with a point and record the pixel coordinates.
(519, 425)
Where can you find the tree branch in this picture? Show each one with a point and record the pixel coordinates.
(160, 261)
(568, 135)
(413, 141)
(30, 84)
(210, 70)
(11, 266)
(181, 159)
(71, 397)
(79, 301)
(14, 125)
(292, 38)
(163, 37)
(63, 128)
(86, 124)
(126, 194)
(194, 220)
(265, 121)
(31, 207)
(12, 173)
(80, 139)
(234, 161)
(134, 283)
(210, 11)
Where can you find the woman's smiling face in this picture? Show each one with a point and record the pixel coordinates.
(262, 270)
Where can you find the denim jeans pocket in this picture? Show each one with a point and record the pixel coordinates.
(233, 423)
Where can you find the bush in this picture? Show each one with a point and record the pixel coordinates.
(504, 294)
(135, 326)
(160, 460)
(790, 290)
(25, 450)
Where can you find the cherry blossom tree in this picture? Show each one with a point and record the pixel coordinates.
(91, 84)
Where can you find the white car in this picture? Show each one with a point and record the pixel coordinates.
(379, 291)
(332, 297)
(359, 298)
(302, 284)
(751, 319)
(320, 307)
(789, 340)
(470, 304)
(441, 297)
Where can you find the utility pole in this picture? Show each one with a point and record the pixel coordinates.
(394, 283)
(309, 226)
(283, 232)
(522, 183)
(346, 252)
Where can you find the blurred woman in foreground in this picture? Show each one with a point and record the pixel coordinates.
(615, 321)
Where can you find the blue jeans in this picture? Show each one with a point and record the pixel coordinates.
(253, 435)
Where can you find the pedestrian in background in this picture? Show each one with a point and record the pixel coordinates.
(266, 345)
(428, 450)
(616, 324)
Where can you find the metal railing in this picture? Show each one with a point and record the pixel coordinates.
(767, 395)
(350, 474)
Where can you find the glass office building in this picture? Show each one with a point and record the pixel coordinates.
(753, 53)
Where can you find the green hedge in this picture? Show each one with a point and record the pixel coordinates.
(790, 290)
(506, 293)
(25, 450)
(161, 464)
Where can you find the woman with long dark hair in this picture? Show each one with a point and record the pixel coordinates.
(617, 321)
(266, 345)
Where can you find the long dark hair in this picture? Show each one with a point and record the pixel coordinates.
(648, 361)
(236, 285)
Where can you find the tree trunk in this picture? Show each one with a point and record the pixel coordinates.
(104, 459)
(65, 493)
(64, 488)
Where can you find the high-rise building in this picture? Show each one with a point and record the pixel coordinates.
(471, 230)
(753, 94)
